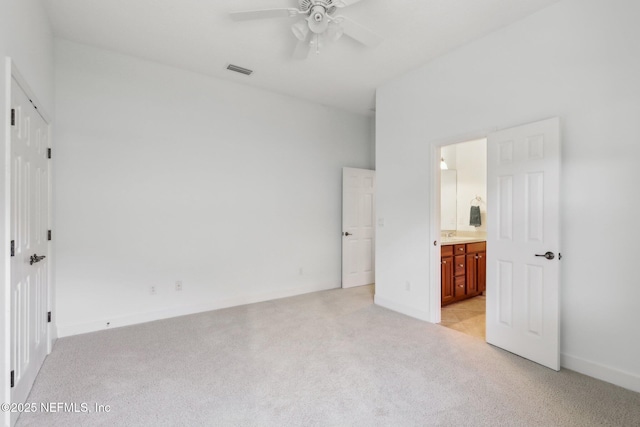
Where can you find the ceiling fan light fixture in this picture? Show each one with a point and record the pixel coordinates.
(300, 29)
(334, 31)
(316, 42)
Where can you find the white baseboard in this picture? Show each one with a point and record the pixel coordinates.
(605, 373)
(134, 319)
(401, 308)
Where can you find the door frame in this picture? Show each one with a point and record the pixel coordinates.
(434, 228)
(12, 72)
(435, 289)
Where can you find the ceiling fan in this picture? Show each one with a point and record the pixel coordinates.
(319, 23)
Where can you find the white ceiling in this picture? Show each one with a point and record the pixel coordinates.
(199, 36)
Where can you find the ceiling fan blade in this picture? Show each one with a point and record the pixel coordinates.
(344, 3)
(264, 14)
(358, 32)
(303, 48)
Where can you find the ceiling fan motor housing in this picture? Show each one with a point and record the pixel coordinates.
(318, 21)
(309, 4)
(317, 13)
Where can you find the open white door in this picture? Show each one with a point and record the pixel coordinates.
(29, 224)
(358, 227)
(523, 241)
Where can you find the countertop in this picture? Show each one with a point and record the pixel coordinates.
(460, 240)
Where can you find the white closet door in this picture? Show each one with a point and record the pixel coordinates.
(29, 232)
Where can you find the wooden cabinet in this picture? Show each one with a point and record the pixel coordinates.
(482, 271)
(463, 270)
(459, 272)
(472, 276)
(446, 272)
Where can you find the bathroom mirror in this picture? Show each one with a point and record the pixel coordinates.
(448, 199)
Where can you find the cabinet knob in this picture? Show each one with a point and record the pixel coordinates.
(461, 265)
(461, 286)
(444, 262)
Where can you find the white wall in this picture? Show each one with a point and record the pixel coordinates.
(579, 60)
(471, 164)
(166, 175)
(25, 36)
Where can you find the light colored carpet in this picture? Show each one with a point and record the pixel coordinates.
(329, 358)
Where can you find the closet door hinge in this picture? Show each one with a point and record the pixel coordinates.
(49, 235)
(13, 248)
(13, 379)
(49, 317)
(48, 153)
(13, 117)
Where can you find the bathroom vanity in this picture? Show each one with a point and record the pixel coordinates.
(463, 269)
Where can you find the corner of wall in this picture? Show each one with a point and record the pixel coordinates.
(605, 373)
(401, 308)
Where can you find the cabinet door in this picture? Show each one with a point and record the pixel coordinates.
(482, 271)
(459, 286)
(446, 271)
(472, 274)
(459, 269)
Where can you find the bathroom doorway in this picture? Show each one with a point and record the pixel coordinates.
(463, 233)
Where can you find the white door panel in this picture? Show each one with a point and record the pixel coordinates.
(358, 227)
(523, 287)
(29, 226)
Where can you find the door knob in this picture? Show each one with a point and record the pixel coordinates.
(548, 255)
(35, 258)
(347, 233)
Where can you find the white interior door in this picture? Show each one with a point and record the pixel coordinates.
(29, 240)
(358, 227)
(523, 289)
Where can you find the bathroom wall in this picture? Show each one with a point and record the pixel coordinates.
(471, 164)
(469, 160)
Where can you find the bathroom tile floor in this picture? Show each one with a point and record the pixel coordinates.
(466, 316)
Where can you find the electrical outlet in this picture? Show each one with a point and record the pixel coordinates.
(407, 285)
(301, 271)
(152, 290)
(178, 285)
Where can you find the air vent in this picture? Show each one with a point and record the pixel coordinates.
(239, 69)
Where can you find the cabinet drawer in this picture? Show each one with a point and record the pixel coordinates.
(459, 249)
(460, 267)
(446, 250)
(476, 247)
(459, 286)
